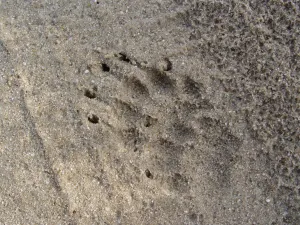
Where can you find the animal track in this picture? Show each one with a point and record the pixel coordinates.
(161, 80)
(149, 121)
(124, 57)
(127, 111)
(136, 87)
(105, 67)
(193, 88)
(132, 138)
(90, 93)
(132, 105)
(149, 174)
(93, 118)
(179, 182)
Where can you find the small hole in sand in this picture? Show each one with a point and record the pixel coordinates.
(168, 65)
(149, 121)
(93, 119)
(148, 174)
(105, 67)
(89, 94)
(124, 57)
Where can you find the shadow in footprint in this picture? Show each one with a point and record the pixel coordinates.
(161, 80)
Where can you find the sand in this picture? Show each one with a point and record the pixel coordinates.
(150, 112)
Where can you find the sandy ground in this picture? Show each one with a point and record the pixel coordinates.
(150, 112)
